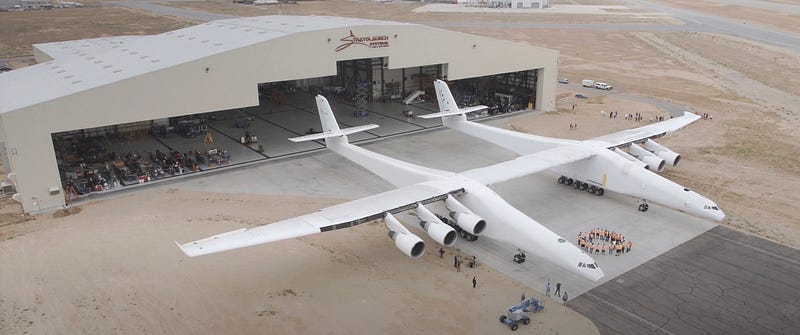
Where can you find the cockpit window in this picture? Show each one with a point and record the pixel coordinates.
(561, 240)
(591, 266)
(711, 207)
(581, 264)
(686, 189)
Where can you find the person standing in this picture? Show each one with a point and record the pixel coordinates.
(455, 261)
(547, 289)
(474, 282)
(558, 289)
(565, 297)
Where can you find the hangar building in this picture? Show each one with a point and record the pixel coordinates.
(60, 118)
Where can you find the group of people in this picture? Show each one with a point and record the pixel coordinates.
(611, 115)
(564, 297)
(471, 261)
(599, 241)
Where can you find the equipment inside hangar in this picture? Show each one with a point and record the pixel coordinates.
(363, 90)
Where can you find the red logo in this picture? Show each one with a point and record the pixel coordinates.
(369, 42)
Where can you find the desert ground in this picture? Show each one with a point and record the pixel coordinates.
(746, 159)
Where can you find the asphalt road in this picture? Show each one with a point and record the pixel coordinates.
(721, 282)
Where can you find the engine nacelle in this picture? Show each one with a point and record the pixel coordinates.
(436, 229)
(464, 218)
(630, 158)
(671, 157)
(408, 243)
(654, 163)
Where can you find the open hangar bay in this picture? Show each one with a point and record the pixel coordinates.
(132, 109)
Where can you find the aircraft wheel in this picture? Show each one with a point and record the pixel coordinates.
(592, 189)
(584, 186)
(502, 318)
(562, 179)
(569, 181)
(600, 191)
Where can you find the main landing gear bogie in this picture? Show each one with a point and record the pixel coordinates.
(579, 185)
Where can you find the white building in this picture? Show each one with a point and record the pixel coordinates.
(217, 66)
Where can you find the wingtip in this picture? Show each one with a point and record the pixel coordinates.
(180, 246)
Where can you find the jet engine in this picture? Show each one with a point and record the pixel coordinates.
(408, 243)
(464, 218)
(671, 157)
(437, 230)
(654, 163)
(630, 158)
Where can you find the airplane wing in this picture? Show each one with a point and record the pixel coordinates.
(345, 215)
(333, 133)
(654, 130)
(529, 164)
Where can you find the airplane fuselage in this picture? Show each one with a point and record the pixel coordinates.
(615, 173)
(508, 224)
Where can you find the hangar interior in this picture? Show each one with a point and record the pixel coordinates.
(123, 111)
(363, 91)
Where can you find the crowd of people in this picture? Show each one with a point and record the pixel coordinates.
(604, 242)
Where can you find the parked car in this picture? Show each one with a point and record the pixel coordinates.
(563, 81)
(581, 96)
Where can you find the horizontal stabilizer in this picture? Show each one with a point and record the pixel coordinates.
(333, 133)
(455, 112)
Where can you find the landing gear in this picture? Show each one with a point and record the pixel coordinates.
(519, 257)
(643, 207)
(579, 185)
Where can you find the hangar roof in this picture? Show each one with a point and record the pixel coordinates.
(86, 64)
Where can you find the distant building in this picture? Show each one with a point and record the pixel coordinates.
(508, 3)
(37, 4)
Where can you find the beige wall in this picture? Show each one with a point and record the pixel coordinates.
(231, 82)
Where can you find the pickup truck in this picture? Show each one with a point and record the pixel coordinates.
(603, 86)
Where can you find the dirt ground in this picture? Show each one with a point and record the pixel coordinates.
(22, 29)
(402, 11)
(111, 268)
(758, 16)
(746, 159)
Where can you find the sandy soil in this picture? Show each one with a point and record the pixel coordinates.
(763, 17)
(403, 11)
(111, 267)
(22, 29)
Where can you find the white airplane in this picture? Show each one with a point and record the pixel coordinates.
(422, 191)
(594, 165)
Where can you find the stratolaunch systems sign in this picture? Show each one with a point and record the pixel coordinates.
(367, 41)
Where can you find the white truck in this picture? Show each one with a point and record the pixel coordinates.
(587, 83)
(603, 86)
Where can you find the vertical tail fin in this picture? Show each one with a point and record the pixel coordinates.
(329, 124)
(330, 127)
(447, 103)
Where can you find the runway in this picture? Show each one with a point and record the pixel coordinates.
(721, 282)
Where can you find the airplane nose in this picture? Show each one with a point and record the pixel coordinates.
(720, 216)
